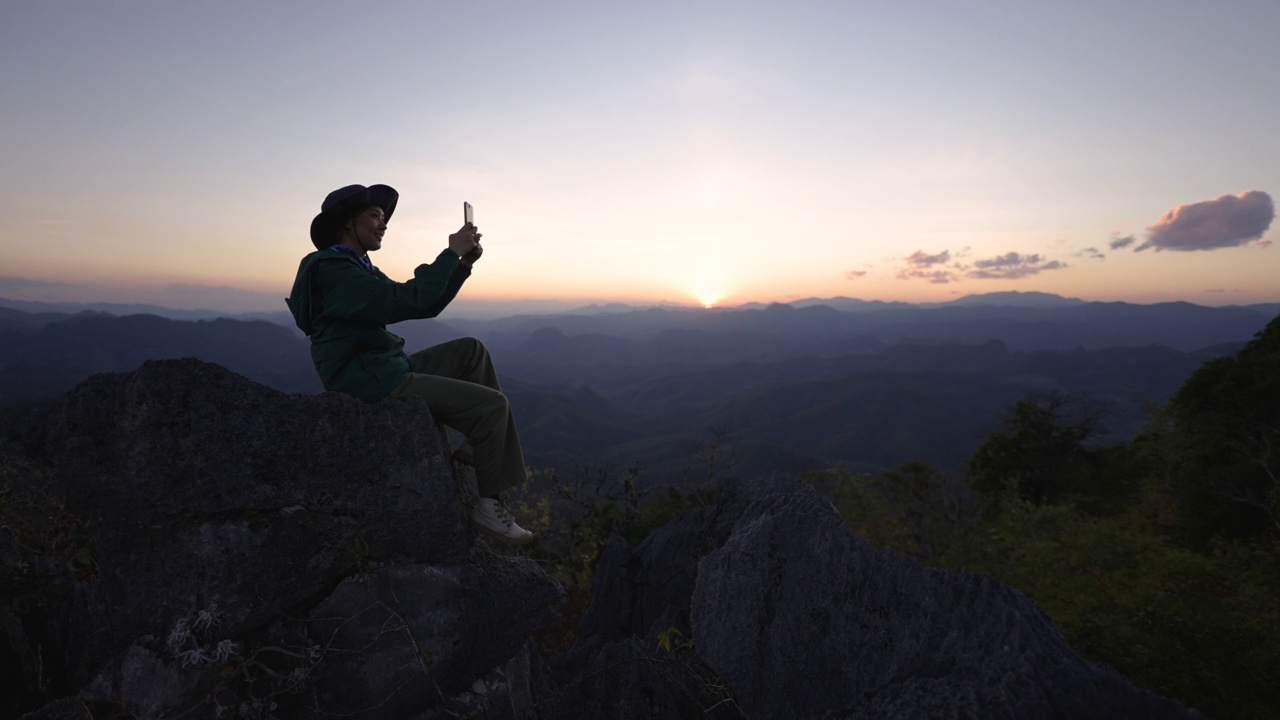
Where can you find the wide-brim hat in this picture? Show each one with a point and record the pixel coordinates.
(339, 205)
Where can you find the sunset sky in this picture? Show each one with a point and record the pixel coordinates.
(174, 152)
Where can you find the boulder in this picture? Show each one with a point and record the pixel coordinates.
(221, 546)
(635, 656)
(779, 610)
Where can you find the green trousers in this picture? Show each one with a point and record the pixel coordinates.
(458, 381)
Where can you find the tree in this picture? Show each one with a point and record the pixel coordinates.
(933, 509)
(1225, 436)
(913, 508)
(1039, 455)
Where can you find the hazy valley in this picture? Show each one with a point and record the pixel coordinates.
(779, 387)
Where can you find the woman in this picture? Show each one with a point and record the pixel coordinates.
(344, 303)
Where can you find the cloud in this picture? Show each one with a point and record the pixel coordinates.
(1118, 243)
(1012, 266)
(1092, 253)
(1228, 221)
(854, 274)
(941, 269)
(921, 266)
(937, 277)
(920, 259)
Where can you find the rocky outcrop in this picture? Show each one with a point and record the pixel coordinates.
(787, 613)
(220, 547)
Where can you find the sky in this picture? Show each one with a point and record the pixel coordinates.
(701, 153)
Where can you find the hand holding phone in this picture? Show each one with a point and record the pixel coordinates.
(466, 242)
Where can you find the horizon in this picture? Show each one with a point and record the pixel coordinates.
(710, 155)
(478, 311)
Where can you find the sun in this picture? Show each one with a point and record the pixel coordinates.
(709, 295)
(707, 284)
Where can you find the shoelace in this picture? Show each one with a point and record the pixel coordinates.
(503, 513)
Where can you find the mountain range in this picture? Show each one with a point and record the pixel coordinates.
(773, 387)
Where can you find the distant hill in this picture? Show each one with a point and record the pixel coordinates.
(53, 358)
(552, 348)
(868, 411)
(45, 309)
(1017, 299)
(846, 304)
(796, 387)
(20, 321)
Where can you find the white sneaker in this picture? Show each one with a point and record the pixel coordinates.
(491, 516)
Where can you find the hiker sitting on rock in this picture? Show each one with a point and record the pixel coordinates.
(344, 303)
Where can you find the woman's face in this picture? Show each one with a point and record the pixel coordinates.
(368, 227)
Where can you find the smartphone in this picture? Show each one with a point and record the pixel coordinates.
(468, 215)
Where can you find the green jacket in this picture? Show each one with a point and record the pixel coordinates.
(345, 309)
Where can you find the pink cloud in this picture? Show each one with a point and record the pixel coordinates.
(1227, 221)
(941, 269)
(1012, 266)
(921, 259)
(937, 277)
(920, 264)
(1118, 242)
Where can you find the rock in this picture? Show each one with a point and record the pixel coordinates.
(231, 544)
(633, 657)
(448, 624)
(645, 591)
(633, 679)
(821, 624)
(798, 617)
